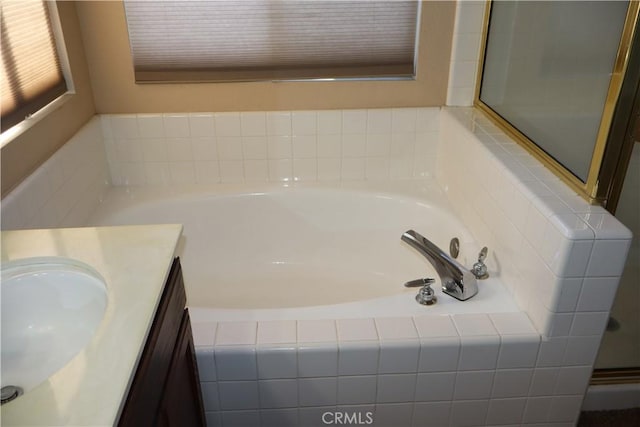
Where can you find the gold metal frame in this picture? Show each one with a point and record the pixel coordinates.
(588, 189)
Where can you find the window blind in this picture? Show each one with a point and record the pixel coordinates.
(31, 73)
(221, 40)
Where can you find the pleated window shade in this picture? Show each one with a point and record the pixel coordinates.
(31, 73)
(239, 40)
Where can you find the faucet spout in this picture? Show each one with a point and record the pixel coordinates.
(457, 281)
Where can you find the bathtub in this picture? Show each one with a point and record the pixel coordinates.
(306, 251)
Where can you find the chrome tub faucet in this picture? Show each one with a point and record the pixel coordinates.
(456, 280)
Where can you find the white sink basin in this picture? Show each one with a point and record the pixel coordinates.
(51, 307)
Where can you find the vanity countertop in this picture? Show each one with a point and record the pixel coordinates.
(135, 262)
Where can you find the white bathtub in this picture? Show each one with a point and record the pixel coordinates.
(266, 252)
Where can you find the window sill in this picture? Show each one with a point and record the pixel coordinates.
(17, 130)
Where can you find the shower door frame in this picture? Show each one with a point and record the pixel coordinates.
(598, 186)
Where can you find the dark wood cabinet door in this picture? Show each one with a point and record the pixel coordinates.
(182, 401)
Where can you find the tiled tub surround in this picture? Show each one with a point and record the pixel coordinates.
(251, 147)
(66, 189)
(560, 258)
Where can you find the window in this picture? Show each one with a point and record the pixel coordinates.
(31, 72)
(271, 39)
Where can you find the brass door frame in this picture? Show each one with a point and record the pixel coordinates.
(597, 186)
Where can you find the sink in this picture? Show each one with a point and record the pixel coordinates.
(51, 308)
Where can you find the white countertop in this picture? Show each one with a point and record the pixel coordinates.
(135, 262)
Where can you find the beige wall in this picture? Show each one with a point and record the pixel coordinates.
(29, 150)
(108, 55)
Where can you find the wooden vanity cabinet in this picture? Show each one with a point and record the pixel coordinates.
(165, 390)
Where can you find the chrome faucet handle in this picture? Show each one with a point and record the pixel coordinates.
(426, 295)
(479, 269)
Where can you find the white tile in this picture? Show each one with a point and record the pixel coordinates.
(431, 413)
(254, 147)
(279, 147)
(598, 293)
(228, 124)
(608, 258)
(573, 380)
(396, 388)
(176, 125)
(395, 328)
(235, 363)
(379, 121)
(304, 123)
(253, 123)
(238, 395)
(329, 145)
(427, 119)
(304, 146)
(231, 170)
(590, 323)
(468, 412)
(537, 410)
(473, 385)
(278, 393)
(229, 148)
(236, 333)
(543, 381)
(354, 121)
(378, 145)
(312, 417)
(353, 169)
(206, 364)
(572, 226)
(318, 360)
(403, 120)
(606, 226)
(279, 417)
(358, 358)
(478, 353)
(280, 170)
(511, 383)
(240, 418)
(210, 398)
(561, 324)
(377, 168)
(279, 123)
(204, 149)
(398, 356)
(355, 390)
(276, 361)
(318, 391)
(151, 125)
(552, 351)
(329, 169)
(132, 173)
(154, 150)
(439, 354)
(512, 323)
(312, 331)
(565, 409)
(435, 386)
(182, 172)
(462, 73)
(569, 294)
(582, 350)
(393, 414)
(179, 149)
(518, 351)
(277, 332)
(201, 125)
(506, 411)
(354, 145)
(577, 259)
(356, 330)
(125, 126)
(207, 172)
(329, 122)
(470, 325)
(256, 170)
(305, 169)
(432, 326)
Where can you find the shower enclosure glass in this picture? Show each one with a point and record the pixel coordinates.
(547, 71)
